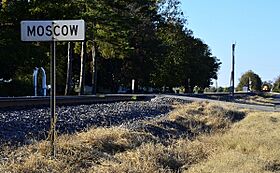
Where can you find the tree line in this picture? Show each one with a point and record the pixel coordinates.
(144, 40)
(250, 82)
(253, 82)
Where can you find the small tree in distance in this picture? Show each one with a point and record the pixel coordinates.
(250, 80)
(276, 85)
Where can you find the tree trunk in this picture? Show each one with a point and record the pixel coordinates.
(69, 68)
(94, 70)
(188, 86)
(82, 69)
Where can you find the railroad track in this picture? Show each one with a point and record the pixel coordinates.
(13, 102)
(31, 101)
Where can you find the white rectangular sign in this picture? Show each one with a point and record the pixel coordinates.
(53, 30)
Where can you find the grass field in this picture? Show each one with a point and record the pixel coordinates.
(250, 146)
(202, 137)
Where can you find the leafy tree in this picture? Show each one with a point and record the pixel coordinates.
(144, 40)
(203, 66)
(220, 89)
(226, 89)
(187, 61)
(251, 80)
(17, 59)
(212, 89)
(276, 85)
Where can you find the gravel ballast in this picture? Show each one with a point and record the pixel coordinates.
(23, 126)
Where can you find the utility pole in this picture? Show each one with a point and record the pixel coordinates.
(232, 71)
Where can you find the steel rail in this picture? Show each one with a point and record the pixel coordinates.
(32, 101)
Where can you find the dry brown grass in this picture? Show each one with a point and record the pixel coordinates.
(197, 118)
(152, 157)
(122, 150)
(76, 153)
(259, 100)
(251, 146)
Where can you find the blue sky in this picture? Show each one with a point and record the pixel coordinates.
(253, 24)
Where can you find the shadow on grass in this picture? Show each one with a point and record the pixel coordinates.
(190, 125)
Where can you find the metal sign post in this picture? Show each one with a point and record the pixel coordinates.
(52, 31)
(53, 99)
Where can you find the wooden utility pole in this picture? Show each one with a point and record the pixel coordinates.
(232, 71)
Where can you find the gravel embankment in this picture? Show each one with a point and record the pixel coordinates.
(24, 125)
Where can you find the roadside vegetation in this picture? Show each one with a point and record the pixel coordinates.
(197, 137)
(189, 140)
